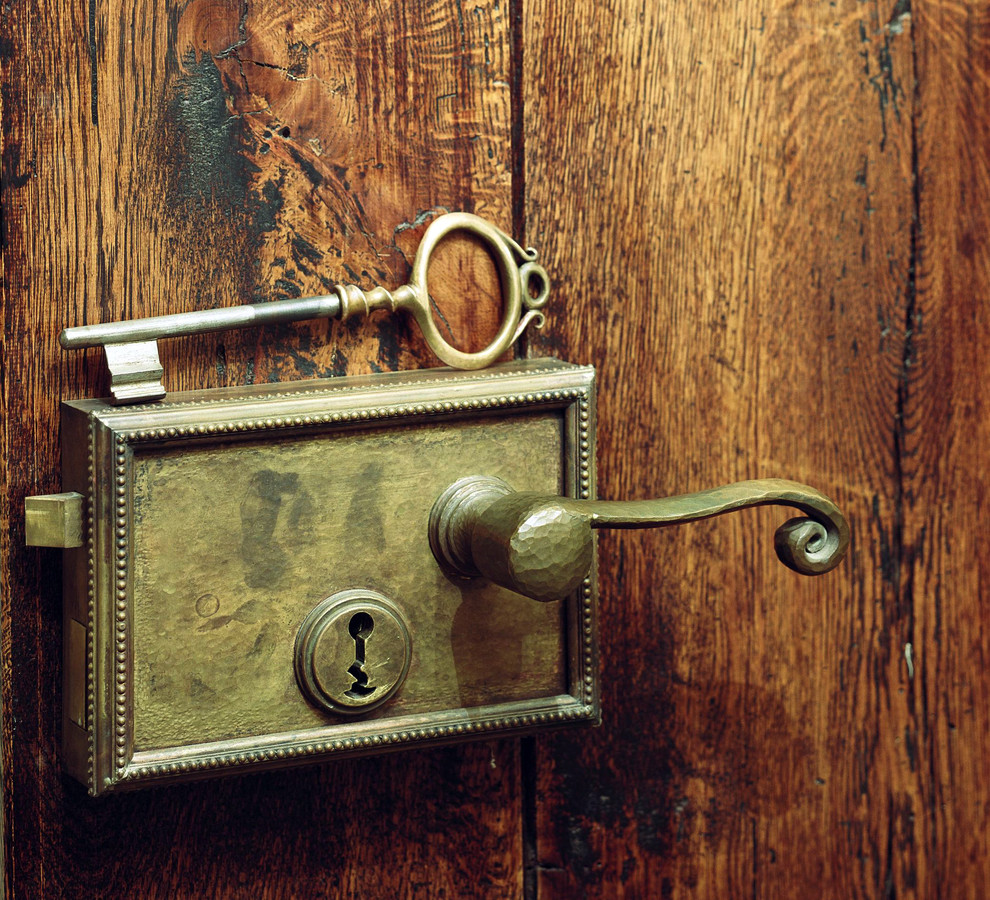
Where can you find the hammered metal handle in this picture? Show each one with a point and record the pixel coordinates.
(541, 546)
(132, 350)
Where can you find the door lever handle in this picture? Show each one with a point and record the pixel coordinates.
(541, 546)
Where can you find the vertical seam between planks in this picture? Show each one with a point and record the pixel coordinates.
(517, 137)
(517, 145)
(4, 506)
(917, 694)
(527, 767)
(904, 554)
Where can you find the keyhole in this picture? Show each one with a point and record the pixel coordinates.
(360, 628)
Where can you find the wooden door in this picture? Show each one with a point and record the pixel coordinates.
(767, 227)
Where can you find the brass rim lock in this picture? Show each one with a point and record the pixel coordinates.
(352, 652)
(501, 464)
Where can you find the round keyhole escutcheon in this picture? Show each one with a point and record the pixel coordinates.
(352, 652)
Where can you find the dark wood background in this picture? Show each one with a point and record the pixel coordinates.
(767, 225)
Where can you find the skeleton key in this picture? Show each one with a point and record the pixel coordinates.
(132, 347)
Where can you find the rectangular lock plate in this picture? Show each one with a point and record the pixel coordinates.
(217, 522)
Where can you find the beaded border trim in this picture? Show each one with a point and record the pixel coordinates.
(584, 706)
(316, 389)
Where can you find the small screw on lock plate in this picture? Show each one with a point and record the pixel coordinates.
(352, 652)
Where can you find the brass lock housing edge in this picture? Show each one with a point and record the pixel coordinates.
(102, 444)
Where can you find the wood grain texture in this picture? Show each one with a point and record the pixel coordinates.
(946, 433)
(766, 223)
(770, 239)
(165, 157)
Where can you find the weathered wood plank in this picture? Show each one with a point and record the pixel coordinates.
(769, 241)
(945, 436)
(725, 192)
(164, 157)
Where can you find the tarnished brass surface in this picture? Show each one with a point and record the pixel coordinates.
(53, 520)
(132, 350)
(219, 521)
(270, 529)
(541, 546)
(75, 698)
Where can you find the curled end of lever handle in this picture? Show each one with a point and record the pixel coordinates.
(812, 547)
(812, 544)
